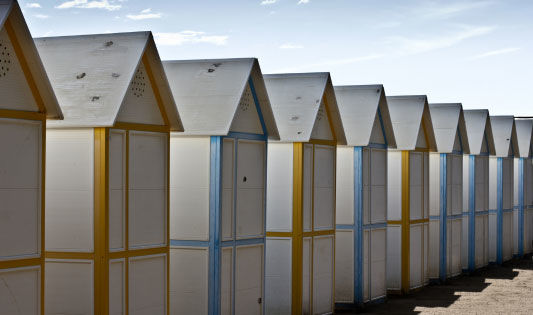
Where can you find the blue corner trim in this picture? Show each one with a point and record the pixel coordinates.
(499, 214)
(247, 241)
(373, 226)
(521, 207)
(344, 227)
(471, 210)
(214, 226)
(358, 223)
(258, 106)
(189, 243)
(443, 212)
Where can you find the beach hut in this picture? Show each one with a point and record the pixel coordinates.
(475, 243)
(361, 200)
(218, 178)
(408, 193)
(301, 194)
(446, 190)
(107, 175)
(26, 102)
(501, 182)
(523, 189)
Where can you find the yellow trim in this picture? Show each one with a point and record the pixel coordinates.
(126, 223)
(138, 252)
(297, 228)
(69, 255)
(8, 264)
(18, 114)
(323, 142)
(168, 224)
(155, 87)
(405, 283)
(418, 221)
(42, 213)
(395, 222)
(141, 127)
(24, 65)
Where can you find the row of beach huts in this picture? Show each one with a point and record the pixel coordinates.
(129, 185)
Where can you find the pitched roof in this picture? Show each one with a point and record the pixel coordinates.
(359, 105)
(91, 74)
(296, 99)
(504, 132)
(12, 19)
(478, 125)
(447, 119)
(208, 93)
(524, 133)
(407, 114)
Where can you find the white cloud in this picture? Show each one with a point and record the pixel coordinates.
(331, 63)
(434, 11)
(185, 37)
(497, 52)
(41, 16)
(291, 46)
(144, 15)
(303, 1)
(86, 4)
(147, 10)
(267, 2)
(416, 46)
(33, 5)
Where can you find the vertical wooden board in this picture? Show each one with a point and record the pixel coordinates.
(481, 243)
(307, 188)
(507, 183)
(515, 231)
(434, 184)
(493, 236)
(189, 272)
(246, 117)
(416, 252)
(250, 188)
(367, 267)
(507, 237)
(483, 184)
(227, 182)
(457, 185)
(324, 187)
(344, 266)
(378, 259)
(117, 285)
(189, 188)
(434, 248)
(69, 287)
(425, 251)
(394, 256)
(323, 266)
(249, 277)
(69, 190)
(306, 274)
(366, 186)
(278, 276)
(20, 188)
(464, 242)
(456, 242)
(345, 185)
(466, 182)
(493, 183)
(425, 185)
(117, 186)
(485, 244)
(20, 290)
(394, 185)
(148, 284)
(378, 194)
(516, 161)
(226, 281)
(416, 185)
(147, 189)
(279, 187)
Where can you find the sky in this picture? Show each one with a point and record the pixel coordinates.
(479, 52)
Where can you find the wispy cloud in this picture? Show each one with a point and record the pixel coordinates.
(41, 16)
(144, 15)
(331, 63)
(267, 2)
(185, 37)
(434, 10)
(497, 52)
(303, 1)
(416, 46)
(86, 4)
(33, 5)
(291, 46)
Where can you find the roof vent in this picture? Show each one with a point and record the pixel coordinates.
(5, 58)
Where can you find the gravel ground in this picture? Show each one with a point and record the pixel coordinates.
(506, 289)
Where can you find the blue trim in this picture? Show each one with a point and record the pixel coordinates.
(434, 217)
(374, 226)
(247, 136)
(454, 217)
(344, 227)
(499, 214)
(483, 212)
(507, 210)
(358, 222)
(257, 106)
(214, 225)
(248, 241)
(382, 128)
(189, 243)
(443, 211)
(471, 210)
(521, 207)
(493, 211)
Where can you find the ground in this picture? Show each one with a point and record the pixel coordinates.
(506, 289)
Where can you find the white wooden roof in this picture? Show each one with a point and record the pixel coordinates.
(477, 126)
(524, 133)
(504, 132)
(358, 106)
(10, 13)
(296, 99)
(91, 74)
(208, 93)
(407, 114)
(447, 119)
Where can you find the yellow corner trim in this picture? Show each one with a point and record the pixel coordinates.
(323, 142)
(418, 221)
(8, 264)
(69, 255)
(297, 227)
(395, 222)
(139, 252)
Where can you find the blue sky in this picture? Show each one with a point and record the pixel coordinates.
(475, 52)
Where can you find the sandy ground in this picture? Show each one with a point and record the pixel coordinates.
(506, 289)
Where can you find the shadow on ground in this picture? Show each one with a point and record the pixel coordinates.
(444, 295)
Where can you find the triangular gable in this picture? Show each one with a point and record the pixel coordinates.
(296, 99)
(479, 131)
(24, 85)
(377, 136)
(247, 118)
(209, 93)
(92, 75)
(408, 115)
(484, 146)
(448, 120)
(360, 106)
(504, 134)
(322, 130)
(457, 143)
(524, 132)
(421, 139)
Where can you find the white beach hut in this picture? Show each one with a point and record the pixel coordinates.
(218, 178)
(107, 238)
(446, 190)
(300, 266)
(361, 201)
